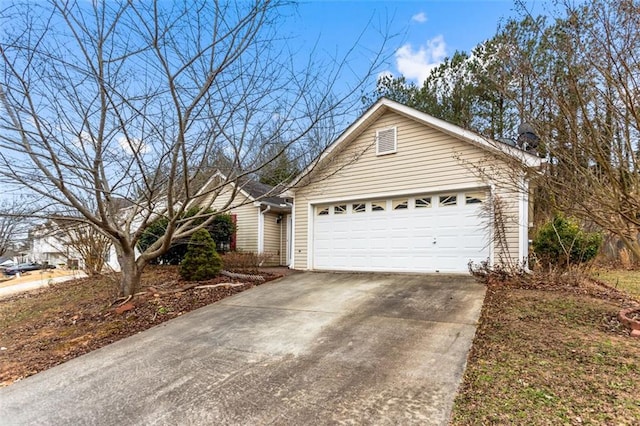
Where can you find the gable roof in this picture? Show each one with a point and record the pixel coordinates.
(384, 105)
(252, 189)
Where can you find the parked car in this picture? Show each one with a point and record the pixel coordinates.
(25, 267)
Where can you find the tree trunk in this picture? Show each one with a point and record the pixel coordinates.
(130, 272)
(633, 246)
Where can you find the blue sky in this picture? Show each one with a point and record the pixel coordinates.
(427, 31)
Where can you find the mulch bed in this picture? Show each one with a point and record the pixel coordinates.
(45, 328)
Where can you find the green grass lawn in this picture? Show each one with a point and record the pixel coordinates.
(550, 357)
(627, 281)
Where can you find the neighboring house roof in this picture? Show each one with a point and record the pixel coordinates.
(257, 190)
(253, 190)
(384, 105)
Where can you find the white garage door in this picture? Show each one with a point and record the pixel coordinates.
(424, 233)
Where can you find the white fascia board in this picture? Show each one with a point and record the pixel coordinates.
(346, 134)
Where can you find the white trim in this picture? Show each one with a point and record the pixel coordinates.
(226, 182)
(293, 235)
(289, 244)
(492, 245)
(404, 193)
(310, 219)
(260, 231)
(466, 135)
(523, 221)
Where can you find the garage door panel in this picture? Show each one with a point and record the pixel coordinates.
(401, 240)
(422, 244)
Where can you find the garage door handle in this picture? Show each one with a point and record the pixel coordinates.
(434, 240)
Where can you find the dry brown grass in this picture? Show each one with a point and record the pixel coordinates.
(551, 353)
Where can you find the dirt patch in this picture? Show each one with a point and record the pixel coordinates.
(47, 327)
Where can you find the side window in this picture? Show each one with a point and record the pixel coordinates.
(423, 202)
(378, 206)
(448, 200)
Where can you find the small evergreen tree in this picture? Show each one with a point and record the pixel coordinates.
(201, 262)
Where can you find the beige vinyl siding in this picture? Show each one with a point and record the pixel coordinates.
(275, 235)
(246, 220)
(426, 161)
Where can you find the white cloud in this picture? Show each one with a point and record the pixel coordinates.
(419, 17)
(84, 139)
(132, 145)
(416, 64)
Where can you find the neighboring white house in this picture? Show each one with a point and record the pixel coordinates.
(48, 246)
(50, 243)
(401, 191)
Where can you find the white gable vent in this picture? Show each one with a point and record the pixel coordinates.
(386, 141)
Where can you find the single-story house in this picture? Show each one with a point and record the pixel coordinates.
(262, 218)
(402, 191)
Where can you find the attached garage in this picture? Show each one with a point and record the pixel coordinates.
(419, 233)
(401, 191)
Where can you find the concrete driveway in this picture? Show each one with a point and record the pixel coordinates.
(311, 348)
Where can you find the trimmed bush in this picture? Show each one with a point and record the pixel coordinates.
(201, 261)
(237, 261)
(562, 243)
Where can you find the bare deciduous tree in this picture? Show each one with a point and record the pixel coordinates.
(581, 78)
(91, 245)
(12, 220)
(112, 111)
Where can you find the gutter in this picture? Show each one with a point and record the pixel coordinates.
(282, 206)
